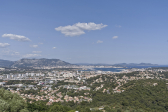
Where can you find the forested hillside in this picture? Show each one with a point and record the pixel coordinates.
(139, 96)
(10, 102)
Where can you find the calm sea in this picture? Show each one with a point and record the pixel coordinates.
(120, 69)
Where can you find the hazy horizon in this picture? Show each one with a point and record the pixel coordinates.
(90, 63)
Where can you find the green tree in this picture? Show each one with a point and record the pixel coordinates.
(11, 102)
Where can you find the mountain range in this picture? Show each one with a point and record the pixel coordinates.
(24, 63)
(6, 63)
(119, 64)
(135, 64)
(43, 62)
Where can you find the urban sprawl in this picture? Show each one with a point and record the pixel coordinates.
(71, 85)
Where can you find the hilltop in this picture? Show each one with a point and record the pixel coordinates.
(24, 63)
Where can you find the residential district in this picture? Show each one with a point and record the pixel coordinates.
(71, 85)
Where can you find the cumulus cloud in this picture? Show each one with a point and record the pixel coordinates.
(54, 47)
(99, 41)
(79, 28)
(16, 37)
(35, 46)
(31, 55)
(115, 37)
(3, 45)
(37, 51)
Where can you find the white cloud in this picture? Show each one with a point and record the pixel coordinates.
(16, 37)
(8, 52)
(41, 43)
(99, 41)
(54, 47)
(35, 46)
(15, 53)
(37, 51)
(118, 26)
(115, 37)
(3, 45)
(31, 55)
(79, 28)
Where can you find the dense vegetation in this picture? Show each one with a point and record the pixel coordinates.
(139, 96)
(11, 102)
(165, 74)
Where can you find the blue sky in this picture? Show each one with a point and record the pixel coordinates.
(85, 31)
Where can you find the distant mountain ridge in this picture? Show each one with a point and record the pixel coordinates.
(43, 62)
(119, 64)
(6, 63)
(135, 64)
(24, 63)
